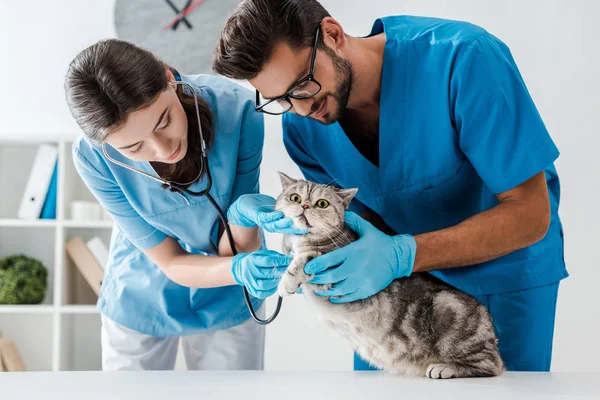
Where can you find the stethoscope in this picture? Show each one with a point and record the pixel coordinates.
(180, 189)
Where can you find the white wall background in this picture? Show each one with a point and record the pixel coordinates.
(555, 43)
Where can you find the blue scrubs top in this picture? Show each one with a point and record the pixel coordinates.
(135, 292)
(457, 126)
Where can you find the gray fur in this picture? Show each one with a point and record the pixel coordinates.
(416, 326)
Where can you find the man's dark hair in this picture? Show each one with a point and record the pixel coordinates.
(250, 35)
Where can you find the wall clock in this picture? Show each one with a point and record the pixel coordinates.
(187, 45)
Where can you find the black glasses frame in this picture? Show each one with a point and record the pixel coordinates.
(310, 77)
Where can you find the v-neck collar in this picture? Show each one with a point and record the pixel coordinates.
(355, 160)
(368, 172)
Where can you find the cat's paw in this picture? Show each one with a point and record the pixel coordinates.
(287, 286)
(440, 371)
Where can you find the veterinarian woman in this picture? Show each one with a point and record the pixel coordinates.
(171, 273)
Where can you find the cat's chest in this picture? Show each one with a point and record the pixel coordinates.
(349, 324)
(299, 246)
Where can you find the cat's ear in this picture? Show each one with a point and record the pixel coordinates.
(346, 195)
(286, 180)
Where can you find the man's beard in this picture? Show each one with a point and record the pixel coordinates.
(343, 70)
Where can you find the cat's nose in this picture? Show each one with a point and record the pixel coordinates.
(305, 205)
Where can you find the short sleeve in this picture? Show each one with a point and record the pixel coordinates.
(310, 168)
(102, 185)
(250, 150)
(499, 127)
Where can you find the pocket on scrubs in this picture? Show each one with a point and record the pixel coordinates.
(454, 197)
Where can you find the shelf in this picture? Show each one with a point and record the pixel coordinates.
(32, 333)
(80, 335)
(26, 309)
(63, 332)
(88, 224)
(75, 289)
(79, 309)
(36, 243)
(33, 140)
(35, 223)
(16, 163)
(49, 223)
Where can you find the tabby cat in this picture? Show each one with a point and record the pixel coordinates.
(417, 326)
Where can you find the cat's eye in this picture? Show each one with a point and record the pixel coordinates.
(296, 198)
(322, 203)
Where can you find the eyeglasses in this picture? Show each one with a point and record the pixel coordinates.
(303, 89)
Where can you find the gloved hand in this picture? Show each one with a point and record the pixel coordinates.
(251, 210)
(260, 271)
(366, 266)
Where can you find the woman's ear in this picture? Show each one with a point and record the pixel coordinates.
(171, 77)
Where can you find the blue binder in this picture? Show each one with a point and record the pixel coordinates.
(49, 207)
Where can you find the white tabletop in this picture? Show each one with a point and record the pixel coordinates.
(242, 385)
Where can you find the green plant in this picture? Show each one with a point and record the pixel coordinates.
(23, 280)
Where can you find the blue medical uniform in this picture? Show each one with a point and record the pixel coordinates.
(135, 292)
(457, 126)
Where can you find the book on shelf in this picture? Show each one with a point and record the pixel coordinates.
(86, 263)
(38, 182)
(2, 368)
(99, 250)
(10, 357)
(49, 207)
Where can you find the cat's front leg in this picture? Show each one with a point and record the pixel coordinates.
(294, 275)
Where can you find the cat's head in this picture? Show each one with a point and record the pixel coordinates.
(317, 207)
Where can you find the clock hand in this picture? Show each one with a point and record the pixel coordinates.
(183, 13)
(182, 19)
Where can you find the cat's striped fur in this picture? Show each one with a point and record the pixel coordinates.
(416, 326)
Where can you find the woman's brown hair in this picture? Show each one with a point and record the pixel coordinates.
(111, 79)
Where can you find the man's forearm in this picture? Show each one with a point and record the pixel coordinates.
(501, 230)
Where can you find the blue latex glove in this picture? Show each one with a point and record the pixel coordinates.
(252, 210)
(366, 266)
(260, 271)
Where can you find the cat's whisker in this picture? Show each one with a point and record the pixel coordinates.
(337, 246)
(343, 235)
(339, 230)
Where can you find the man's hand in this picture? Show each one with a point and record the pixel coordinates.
(364, 267)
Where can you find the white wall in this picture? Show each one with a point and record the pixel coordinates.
(554, 43)
(38, 39)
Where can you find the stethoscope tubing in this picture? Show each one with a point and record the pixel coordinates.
(206, 193)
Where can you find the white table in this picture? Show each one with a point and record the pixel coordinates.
(189, 385)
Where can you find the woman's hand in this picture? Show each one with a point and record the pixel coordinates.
(260, 272)
(252, 210)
